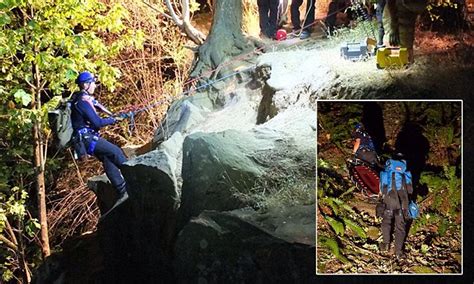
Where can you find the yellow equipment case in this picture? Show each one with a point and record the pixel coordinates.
(389, 57)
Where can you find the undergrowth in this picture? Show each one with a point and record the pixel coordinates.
(282, 185)
(153, 74)
(441, 210)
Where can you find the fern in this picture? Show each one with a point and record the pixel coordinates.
(355, 228)
(334, 247)
(337, 226)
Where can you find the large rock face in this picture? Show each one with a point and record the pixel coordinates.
(217, 165)
(220, 247)
(216, 151)
(220, 168)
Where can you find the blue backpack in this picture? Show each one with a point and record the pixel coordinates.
(413, 210)
(395, 169)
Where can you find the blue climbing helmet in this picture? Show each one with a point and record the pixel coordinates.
(85, 77)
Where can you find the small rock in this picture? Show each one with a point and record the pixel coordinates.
(373, 233)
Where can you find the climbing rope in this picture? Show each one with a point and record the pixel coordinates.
(133, 113)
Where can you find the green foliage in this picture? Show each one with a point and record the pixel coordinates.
(435, 8)
(13, 208)
(323, 164)
(338, 214)
(423, 269)
(338, 127)
(61, 38)
(337, 226)
(333, 246)
(355, 228)
(43, 46)
(362, 30)
(446, 190)
(443, 227)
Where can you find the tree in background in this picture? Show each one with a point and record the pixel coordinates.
(43, 46)
(225, 39)
(183, 18)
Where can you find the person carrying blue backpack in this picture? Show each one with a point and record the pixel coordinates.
(395, 186)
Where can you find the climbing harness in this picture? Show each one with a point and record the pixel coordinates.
(85, 133)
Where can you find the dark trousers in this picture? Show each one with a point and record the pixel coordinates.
(112, 158)
(331, 17)
(367, 156)
(396, 218)
(295, 14)
(379, 15)
(268, 14)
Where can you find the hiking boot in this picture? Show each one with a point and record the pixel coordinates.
(383, 248)
(121, 198)
(305, 34)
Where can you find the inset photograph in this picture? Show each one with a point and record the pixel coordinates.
(389, 187)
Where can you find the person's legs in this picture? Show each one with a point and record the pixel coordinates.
(112, 158)
(386, 227)
(295, 14)
(263, 7)
(379, 15)
(407, 22)
(309, 20)
(400, 232)
(331, 17)
(273, 18)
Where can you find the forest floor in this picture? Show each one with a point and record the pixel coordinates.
(442, 69)
(430, 247)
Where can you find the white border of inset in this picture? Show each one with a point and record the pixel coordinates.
(462, 188)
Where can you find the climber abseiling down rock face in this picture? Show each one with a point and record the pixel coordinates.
(86, 138)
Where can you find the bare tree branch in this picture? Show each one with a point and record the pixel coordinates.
(184, 23)
(8, 243)
(186, 13)
(10, 232)
(156, 10)
(175, 17)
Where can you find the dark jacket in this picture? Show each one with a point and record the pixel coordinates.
(365, 140)
(84, 114)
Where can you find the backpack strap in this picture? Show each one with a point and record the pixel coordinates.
(404, 182)
(408, 186)
(396, 192)
(393, 184)
(383, 185)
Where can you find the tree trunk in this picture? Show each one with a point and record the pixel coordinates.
(41, 189)
(39, 163)
(225, 40)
